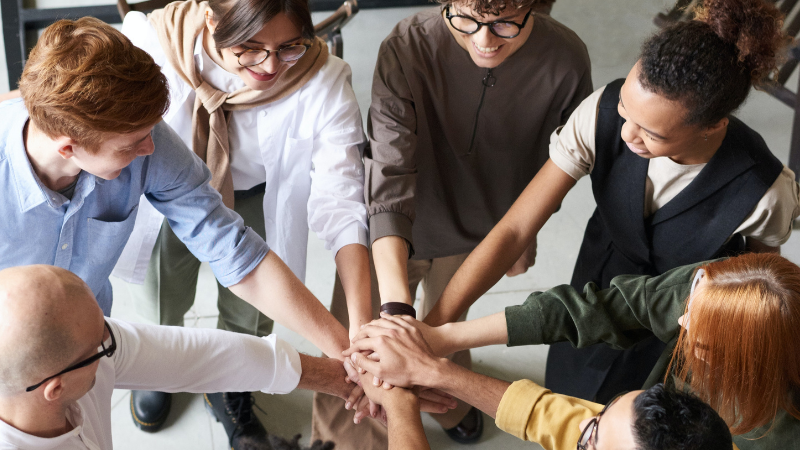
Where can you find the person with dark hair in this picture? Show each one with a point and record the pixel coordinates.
(464, 99)
(62, 360)
(677, 180)
(257, 96)
(658, 418)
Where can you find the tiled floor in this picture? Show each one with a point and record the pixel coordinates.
(613, 31)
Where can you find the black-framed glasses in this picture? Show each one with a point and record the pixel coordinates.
(505, 29)
(255, 56)
(104, 351)
(591, 428)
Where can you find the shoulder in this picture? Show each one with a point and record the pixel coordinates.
(141, 33)
(9, 111)
(767, 166)
(423, 29)
(557, 44)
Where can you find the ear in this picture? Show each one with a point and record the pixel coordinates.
(66, 147)
(211, 24)
(53, 389)
(717, 127)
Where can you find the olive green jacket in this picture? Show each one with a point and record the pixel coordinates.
(631, 309)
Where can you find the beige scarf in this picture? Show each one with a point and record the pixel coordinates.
(178, 26)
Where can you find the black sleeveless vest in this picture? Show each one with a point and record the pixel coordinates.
(694, 226)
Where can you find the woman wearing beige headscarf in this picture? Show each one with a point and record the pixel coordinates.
(258, 98)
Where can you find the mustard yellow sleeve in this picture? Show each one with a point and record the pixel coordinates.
(533, 413)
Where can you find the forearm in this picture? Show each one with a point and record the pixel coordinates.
(405, 423)
(478, 390)
(390, 254)
(275, 291)
(352, 264)
(457, 336)
(326, 375)
(504, 245)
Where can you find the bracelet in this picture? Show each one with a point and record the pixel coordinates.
(398, 309)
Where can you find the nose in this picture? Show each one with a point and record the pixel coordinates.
(483, 37)
(272, 63)
(630, 132)
(148, 148)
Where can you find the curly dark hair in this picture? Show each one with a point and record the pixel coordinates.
(279, 443)
(495, 7)
(710, 63)
(670, 419)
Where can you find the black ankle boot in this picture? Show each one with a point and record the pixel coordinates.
(150, 409)
(469, 430)
(235, 411)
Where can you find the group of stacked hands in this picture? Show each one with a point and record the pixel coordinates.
(87, 163)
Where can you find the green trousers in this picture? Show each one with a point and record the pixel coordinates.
(170, 285)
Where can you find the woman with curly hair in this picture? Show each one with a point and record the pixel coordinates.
(677, 180)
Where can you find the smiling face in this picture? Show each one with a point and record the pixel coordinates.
(114, 154)
(278, 33)
(655, 127)
(614, 429)
(486, 49)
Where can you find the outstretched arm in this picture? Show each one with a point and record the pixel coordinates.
(504, 245)
(275, 291)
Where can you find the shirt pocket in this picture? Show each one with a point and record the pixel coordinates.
(296, 161)
(107, 239)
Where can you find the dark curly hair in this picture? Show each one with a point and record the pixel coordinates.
(669, 419)
(710, 63)
(279, 443)
(495, 7)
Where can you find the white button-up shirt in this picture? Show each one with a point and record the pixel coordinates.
(307, 147)
(169, 359)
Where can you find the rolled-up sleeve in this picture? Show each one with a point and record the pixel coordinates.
(176, 184)
(533, 413)
(391, 176)
(336, 209)
(177, 359)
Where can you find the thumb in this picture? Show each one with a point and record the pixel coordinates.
(365, 363)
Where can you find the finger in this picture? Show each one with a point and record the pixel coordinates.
(355, 395)
(386, 385)
(363, 345)
(352, 372)
(434, 397)
(434, 391)
(379, 327)
(432, 407)
(374, 409)
(364, 363)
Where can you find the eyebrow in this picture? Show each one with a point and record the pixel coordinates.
(134, 145)
(645, 129)
(505, 18)
(251, 41)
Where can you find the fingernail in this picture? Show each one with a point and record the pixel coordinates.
(375, 381)
(362, 326)
(347, 405)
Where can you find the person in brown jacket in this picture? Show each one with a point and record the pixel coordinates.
(464, 99)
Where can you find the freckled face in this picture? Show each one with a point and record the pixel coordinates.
(115, 153)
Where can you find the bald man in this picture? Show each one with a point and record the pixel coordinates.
(61, 360)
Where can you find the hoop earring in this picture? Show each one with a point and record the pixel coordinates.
(705, 136)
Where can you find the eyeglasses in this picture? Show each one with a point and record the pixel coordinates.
(591, 427)
(104, 351)
(255, 56)
(505, 29)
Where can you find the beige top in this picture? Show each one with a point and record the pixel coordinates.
(572, 150)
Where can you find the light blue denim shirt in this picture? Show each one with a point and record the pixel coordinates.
(87, 234)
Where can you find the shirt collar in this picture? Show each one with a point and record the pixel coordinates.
(20, 439)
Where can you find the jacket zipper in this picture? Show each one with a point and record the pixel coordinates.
(488, 81)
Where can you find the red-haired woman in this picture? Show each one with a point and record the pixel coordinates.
(676, 178)
(731, 330)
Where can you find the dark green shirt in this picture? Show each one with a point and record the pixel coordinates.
(628, 311)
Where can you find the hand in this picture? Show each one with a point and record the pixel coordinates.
(406, 360)
(436, 337)
(430, 400)
(528, 259)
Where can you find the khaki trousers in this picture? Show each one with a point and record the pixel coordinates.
(170, 285)
(330, 420)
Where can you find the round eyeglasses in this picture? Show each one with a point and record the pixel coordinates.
(505, 29)
(591, 427)
(255, 56)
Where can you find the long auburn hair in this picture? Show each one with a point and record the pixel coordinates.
(741, 352)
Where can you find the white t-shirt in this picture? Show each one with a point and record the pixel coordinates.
(169, 359)
(572, 149)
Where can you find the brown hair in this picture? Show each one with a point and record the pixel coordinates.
(495, 7)
(84, 79)
(239, 20)
(741, 353)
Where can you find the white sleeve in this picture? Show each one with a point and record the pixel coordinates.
(771, 219)
(336, 209)
(177, 359)
(572, 145)
(138, 29)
